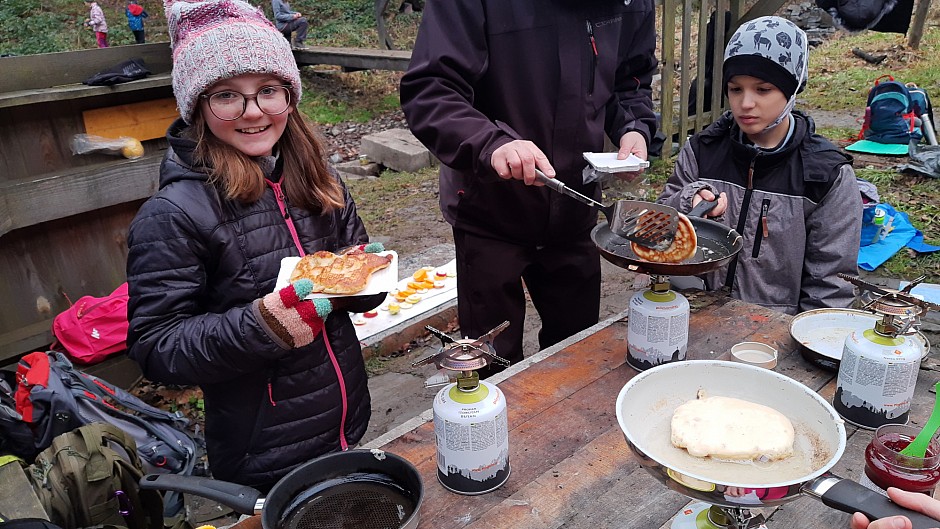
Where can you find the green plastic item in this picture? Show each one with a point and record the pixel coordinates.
(918, 447)
(873, 147)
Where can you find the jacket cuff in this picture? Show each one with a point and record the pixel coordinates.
(256, 312)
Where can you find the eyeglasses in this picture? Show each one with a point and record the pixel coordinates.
(229, 105)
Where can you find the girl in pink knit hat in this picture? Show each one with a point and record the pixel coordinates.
(243, 185)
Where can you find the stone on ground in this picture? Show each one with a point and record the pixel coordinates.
(397, 149)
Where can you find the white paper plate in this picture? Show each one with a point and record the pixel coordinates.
(823, 331)
(382, 281)
(607, 162)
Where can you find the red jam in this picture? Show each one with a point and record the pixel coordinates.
(886, 467)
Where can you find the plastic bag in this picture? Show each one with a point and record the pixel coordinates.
(125, 146)
(924, 160)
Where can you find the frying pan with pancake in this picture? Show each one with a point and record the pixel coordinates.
(717, 244)
(644, 410)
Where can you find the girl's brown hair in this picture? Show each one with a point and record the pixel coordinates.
(306, 179)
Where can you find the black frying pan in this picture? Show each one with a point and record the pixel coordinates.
(356, 489)
(717, 244)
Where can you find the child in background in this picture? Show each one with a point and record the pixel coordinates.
(789, 192)
(244, 184)
(96, 22)
(135, 21)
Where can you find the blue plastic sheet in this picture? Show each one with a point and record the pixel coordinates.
(873, 254)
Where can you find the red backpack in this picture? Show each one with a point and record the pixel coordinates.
(93, 329)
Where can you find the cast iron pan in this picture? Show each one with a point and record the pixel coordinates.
(356, 489)
(717, 244)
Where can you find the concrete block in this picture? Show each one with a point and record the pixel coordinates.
(356, 168)
(397, 149)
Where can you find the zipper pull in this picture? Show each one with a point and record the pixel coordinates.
(763, 219)
(271, 394)
(590, 32)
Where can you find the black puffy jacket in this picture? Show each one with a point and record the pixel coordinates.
(196, 263)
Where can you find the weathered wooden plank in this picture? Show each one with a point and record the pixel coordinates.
(43, 266)
(47, 70)
(17, 499)
(143, 121)
(916, 30)
(20, 340)
(718, 57)
(700, 70)
(354, 58)
(32, 201)
(666, 97)
(77, 91)
(760, 9)
(685, 71)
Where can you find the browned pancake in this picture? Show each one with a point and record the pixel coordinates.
(682, 247)
(339, 274)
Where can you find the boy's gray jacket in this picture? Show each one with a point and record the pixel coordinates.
(799, 214)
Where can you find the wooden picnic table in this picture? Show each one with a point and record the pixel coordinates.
(571, 466)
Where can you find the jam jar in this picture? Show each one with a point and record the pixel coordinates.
(886, 467)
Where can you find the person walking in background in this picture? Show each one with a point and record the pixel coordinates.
(96, 22)
(497, 89)
(289, 21)
(135, 20)
(244, 184)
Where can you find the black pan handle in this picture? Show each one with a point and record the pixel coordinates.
(242, 499)
(848, 496)
(703, 207)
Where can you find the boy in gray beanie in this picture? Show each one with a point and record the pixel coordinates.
(788, 191)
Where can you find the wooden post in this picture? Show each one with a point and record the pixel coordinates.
(666, 98)
(917, 24)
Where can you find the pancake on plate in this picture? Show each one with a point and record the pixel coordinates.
(339, 274)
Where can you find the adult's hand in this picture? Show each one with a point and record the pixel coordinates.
(914, 501)
(297, 15)
(631, 143)
(705, 194)
(518, 160)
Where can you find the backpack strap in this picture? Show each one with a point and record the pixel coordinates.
(880, 77)
(98, 466)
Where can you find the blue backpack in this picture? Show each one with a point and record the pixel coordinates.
(889, 114)
(920, 102)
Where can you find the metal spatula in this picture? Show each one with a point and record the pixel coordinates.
(645, 223)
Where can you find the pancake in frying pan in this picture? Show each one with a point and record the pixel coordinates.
(682, 247)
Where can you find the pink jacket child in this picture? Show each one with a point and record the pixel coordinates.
(97, 23)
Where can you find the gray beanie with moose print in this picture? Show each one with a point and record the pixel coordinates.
(772, 49)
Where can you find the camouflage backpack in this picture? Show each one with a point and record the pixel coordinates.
(89, 476)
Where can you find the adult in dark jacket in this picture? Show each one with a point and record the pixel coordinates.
(496, 89)
(243, 185)
(789, 192)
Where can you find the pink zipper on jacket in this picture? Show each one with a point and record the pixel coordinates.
(282, 206)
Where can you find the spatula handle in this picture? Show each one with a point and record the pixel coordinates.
(560, 186)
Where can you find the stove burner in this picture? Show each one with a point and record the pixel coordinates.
(464, 355)
(900, 310)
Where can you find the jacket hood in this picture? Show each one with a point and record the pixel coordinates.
(804, 138)
(178, 161)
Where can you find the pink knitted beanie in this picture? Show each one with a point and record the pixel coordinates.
(214, 40)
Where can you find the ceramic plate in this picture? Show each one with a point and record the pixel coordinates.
(823, 331)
